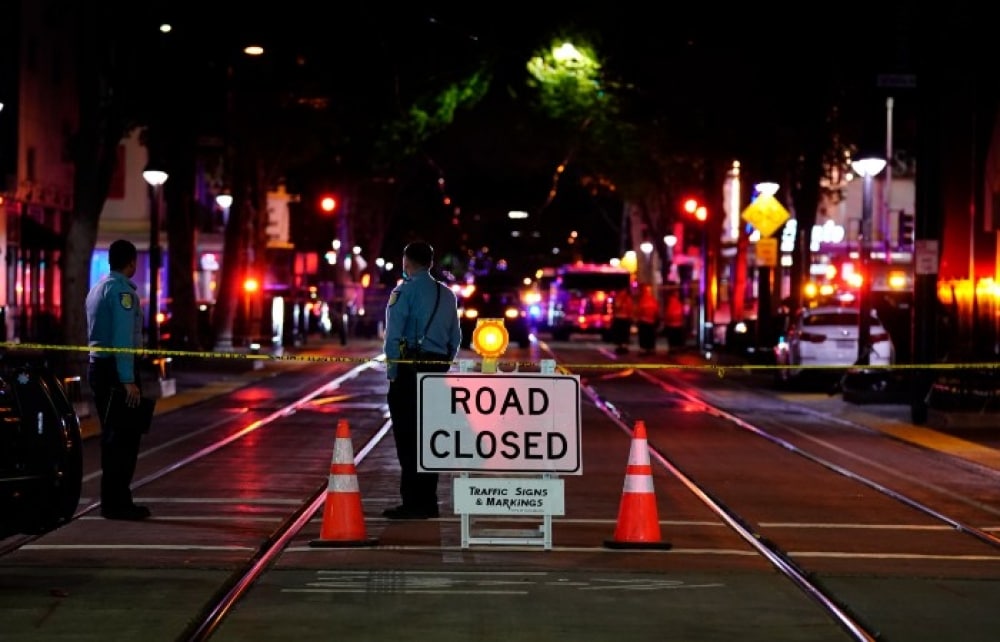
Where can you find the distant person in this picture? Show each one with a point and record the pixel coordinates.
(647, 317)
(622, 317)
(114, 320)
(421, 324)
(674, 320)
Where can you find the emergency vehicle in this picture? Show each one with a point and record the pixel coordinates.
(581, 299)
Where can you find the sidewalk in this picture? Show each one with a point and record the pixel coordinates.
(980, 444)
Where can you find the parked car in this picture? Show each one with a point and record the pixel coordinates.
(826, 337)
(484, 303)
(41, 455)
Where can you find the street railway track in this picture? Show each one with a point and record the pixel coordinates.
(622, 397)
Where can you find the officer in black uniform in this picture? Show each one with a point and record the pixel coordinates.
(422, 314)
(114, 320)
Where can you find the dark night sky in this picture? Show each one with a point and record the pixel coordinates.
(730, 78)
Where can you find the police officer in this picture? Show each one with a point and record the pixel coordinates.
(114, 320)
(422, 314)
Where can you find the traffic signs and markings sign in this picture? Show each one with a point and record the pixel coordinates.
(507, 495)
(766, 214)
(507, 423)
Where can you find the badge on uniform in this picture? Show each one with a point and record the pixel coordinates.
(125, 298)
(393, 298)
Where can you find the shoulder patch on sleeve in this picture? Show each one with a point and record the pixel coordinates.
(126, 300)
(393, 297)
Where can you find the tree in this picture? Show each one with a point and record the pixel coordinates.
(109, 95)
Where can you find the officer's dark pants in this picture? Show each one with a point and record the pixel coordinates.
(417, 490)
(647, 336)
(621, 331)
(119, 448)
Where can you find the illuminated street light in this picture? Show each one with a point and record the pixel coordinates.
(155, 178)
(224, 201)
(670, 240)
(567, 54)
(868, 169)
(767, 188)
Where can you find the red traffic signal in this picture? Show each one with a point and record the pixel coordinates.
(328, 203)
(694, 207)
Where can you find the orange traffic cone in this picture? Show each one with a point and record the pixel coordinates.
(638, 521)
(343, 520)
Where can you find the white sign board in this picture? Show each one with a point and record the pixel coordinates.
(925, 256)
(507, 495)
(506, 423)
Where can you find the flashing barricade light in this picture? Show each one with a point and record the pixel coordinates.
(490, 338)
(328, 204)
(250, 285)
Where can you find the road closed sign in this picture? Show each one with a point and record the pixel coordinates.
(504, 423)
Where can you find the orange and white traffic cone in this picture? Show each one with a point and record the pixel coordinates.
(638, 521)
(343, 519)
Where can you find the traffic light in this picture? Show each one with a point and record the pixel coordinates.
(694, 207)
(328, 203)
(906, 229)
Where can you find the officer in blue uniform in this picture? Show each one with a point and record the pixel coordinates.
(422, 314)
(114, 320)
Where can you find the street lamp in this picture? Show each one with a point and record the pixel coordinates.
(224, 201)
(670, 240)
(155, 178)
(868, 169)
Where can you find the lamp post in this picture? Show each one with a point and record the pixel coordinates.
(646, 247)
(868, 169)
(155, 178)
(224, 201)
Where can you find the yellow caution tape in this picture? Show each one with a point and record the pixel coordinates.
(719, 369)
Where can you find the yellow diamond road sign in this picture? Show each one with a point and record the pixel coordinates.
(766, 214)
